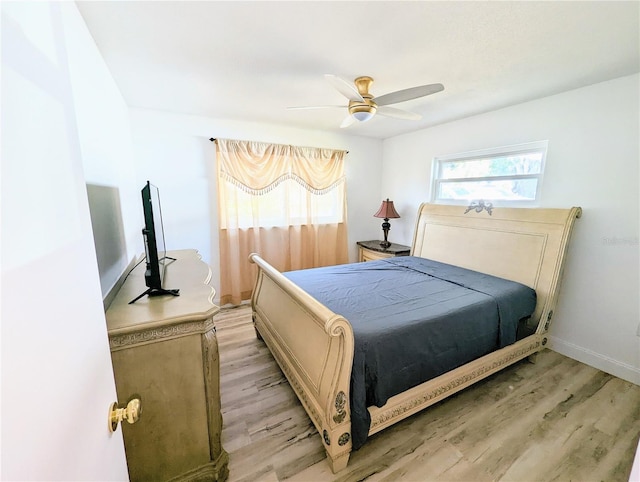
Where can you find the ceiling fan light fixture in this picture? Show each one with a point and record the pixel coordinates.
(362, 111)
(362, 116)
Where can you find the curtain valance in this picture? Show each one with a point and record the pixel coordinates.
(258, 167)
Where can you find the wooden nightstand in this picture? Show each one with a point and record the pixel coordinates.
(371, 250)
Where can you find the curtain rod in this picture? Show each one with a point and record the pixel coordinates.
(213, 139)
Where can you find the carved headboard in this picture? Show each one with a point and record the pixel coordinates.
(527, 245)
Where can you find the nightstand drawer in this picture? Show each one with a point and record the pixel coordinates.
(368, 255)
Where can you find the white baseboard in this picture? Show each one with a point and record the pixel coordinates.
(596, 360)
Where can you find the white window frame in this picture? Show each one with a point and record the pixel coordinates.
(537, 146)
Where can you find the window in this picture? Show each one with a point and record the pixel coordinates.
(287, 203)
(273, 185)
(509, 175)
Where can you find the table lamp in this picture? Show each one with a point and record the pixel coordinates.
(386, 211)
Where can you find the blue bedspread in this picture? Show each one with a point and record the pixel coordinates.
(414, 319)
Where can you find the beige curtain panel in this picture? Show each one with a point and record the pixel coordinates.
(286, 203)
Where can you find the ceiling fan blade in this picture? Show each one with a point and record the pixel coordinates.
(408, 94)
(317, 107)
(347, 121)
(344, 87)
(398, 113)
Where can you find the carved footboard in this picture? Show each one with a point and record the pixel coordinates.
(314, 348)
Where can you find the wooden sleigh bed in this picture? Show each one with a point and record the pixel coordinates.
(314, 346)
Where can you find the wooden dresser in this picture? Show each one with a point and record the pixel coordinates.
(371, 250)
(165, 352)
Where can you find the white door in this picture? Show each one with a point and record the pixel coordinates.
(57, 379)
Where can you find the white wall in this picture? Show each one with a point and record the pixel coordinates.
(174, 152)
(592, 162)
(107, 157)
(57, 378)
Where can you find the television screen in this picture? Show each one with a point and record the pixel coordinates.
(153, 232)
(154, 244)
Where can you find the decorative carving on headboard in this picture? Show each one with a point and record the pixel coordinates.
(479, 206)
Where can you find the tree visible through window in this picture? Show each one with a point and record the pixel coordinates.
(508, 175)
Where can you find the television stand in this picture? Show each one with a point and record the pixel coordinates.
(165, 350)
(156, 292)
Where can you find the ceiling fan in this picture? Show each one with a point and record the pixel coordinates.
(363, 106)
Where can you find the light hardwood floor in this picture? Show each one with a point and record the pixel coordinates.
(557, 419)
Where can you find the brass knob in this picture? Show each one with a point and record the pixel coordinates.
(130, 413)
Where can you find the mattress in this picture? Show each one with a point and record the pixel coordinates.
(414, 319)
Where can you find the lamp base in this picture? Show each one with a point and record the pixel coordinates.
(385, 229)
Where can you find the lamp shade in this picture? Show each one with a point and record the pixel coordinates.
(387, 211)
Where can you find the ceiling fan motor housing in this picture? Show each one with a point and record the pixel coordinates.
(366, 109)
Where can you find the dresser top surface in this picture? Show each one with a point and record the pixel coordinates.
(188, 273)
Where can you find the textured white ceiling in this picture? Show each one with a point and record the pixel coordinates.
(251, 60)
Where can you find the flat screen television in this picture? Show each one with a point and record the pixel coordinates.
(154, 244)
